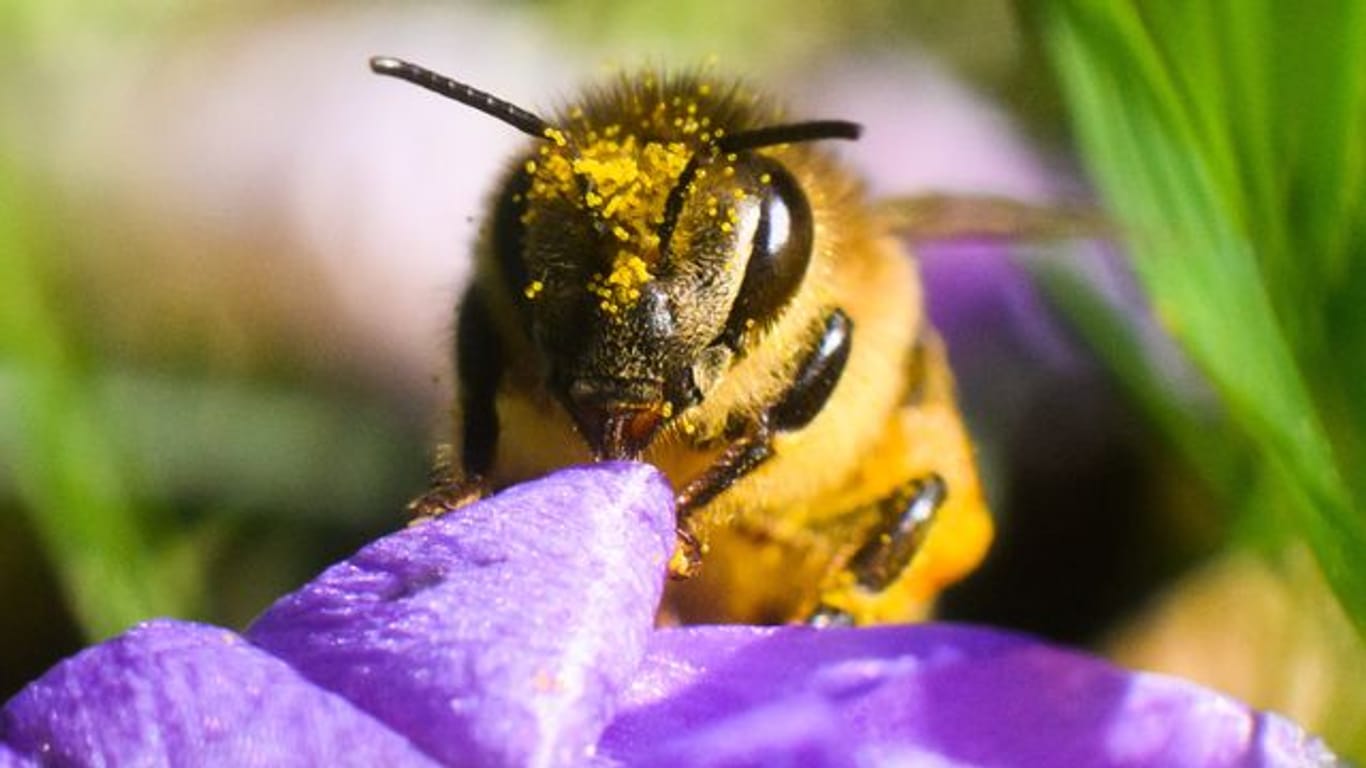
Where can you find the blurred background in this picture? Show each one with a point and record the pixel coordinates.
(229, 255)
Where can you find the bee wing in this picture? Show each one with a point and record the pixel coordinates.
(956, 217)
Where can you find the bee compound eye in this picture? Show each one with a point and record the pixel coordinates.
(779, 252)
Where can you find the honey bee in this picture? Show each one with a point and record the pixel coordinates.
(671, 273)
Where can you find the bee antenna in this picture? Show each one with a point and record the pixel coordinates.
(487, 103)
(815, 130)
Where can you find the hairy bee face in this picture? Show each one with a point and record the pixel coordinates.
(642, 265)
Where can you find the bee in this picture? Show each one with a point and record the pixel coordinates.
(671, 273)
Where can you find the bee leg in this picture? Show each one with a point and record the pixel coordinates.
(442, 499)
(447, 491)
(479, 365)
(904, 519)
(740, 458)
(814, 380)
(687, 557)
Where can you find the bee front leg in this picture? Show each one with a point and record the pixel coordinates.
(904, 518)
(449, 489)
(812, 383)
(479, 366)
(739, 459)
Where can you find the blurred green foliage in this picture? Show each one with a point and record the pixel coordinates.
(162, 484)
(1228, 141)
(58, 450)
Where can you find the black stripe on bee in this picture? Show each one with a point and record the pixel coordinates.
(509, 233)
(479, 365)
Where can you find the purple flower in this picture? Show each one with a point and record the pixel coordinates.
(519, 631)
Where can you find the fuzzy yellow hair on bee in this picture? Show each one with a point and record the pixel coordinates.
(669, 272)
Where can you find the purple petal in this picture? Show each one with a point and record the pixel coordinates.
(985, 305)
(929, 694)
(500, 633)
(11, 759)
(173, 693)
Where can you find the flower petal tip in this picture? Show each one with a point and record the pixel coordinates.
(501, 632)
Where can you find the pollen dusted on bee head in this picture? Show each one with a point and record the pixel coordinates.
(619, 166)
(620, 289)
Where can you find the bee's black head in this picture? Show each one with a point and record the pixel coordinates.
(643, 239)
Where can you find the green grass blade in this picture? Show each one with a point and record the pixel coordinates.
(61, 457)
(1161, 128)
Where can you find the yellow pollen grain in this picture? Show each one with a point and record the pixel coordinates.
(533, 289)
(531, 166)
(667, 410)
(765, 178)
(625, 182)
(620, 289)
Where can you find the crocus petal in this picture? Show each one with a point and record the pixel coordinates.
(513, 631)
(924, 695)
(175, 693)
(500, 633)
(11, 759)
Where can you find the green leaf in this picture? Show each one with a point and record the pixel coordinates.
(1194, 120)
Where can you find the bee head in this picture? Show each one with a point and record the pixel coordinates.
(641, 242)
